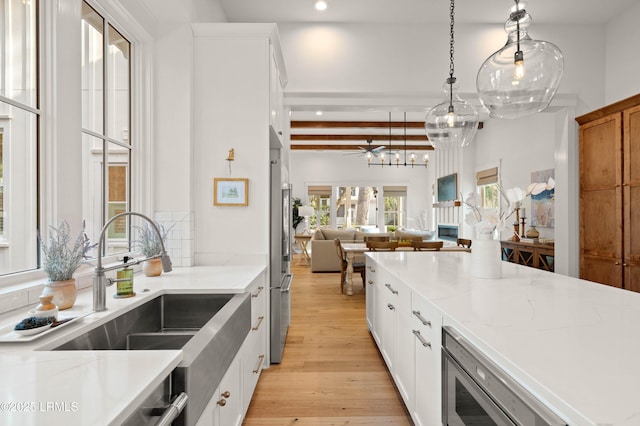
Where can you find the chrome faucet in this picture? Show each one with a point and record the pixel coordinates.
(99, 279)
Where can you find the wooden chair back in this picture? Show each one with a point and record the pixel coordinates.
(340, 252)
(368, 238)
(411, 238)
(426, 245)
(382, 245)
(463, 242)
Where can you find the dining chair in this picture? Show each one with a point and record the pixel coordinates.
(463, 242)
(368, 238)
(358, 267)
(426, 245)
(382, 245)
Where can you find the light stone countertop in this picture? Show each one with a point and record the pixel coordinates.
(98, 387)
(574, 344)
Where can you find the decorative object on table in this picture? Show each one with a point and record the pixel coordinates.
(523, 76)
(306, 212)
(60, 259)
(150, 246)
(486, 255)
(230, 158)
(230, 192)
(532, 232)
(45, 309)
(454, 122)
(542, 190)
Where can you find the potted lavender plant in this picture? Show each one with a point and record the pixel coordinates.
(61, 257)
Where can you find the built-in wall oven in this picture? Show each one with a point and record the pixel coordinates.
(477, 392)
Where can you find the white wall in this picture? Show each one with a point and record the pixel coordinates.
(622, 61)
(412, 58)
(336, 168)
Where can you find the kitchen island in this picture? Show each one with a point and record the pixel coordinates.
(571, 343)
(101, 387)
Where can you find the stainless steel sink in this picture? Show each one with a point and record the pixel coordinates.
(208, 328)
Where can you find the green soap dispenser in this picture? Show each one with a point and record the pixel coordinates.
(124, 281)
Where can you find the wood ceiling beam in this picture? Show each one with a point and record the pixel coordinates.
(360, 124)
(345, 124)
(363, 138)
(335, 147)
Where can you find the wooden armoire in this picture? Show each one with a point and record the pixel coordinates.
(610, 194)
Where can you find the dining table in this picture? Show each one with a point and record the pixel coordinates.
(351, 249)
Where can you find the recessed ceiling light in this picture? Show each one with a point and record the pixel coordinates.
(321, 5)
(318, 112)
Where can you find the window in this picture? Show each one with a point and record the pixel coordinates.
(106, 100)
(487, 183)
(395, 198)
(19, 135)
(354, 206)
(320, 200)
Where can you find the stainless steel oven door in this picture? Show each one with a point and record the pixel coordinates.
(463, 402)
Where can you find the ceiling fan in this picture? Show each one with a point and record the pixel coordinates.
(369, 149)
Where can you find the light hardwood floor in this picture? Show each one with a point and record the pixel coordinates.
(331, 371)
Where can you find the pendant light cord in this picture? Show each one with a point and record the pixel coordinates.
(451, 78)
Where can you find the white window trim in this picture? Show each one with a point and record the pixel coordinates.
(141, 131)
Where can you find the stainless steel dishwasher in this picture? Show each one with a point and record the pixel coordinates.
(477, 392)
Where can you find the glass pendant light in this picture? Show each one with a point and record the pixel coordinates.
(454, 122)
(523, 77)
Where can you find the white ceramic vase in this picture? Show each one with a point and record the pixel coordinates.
(486, 259)
(152, 267)
(64, 292)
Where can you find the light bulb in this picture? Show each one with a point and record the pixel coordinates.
(518, 72)
(321, 5)
(451, 119)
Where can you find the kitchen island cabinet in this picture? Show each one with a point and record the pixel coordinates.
(570, 343)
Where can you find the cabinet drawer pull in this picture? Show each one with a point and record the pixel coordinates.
(225, 394)
(422, 319)
(371, 269)
(257, 292)
(391, 289)
(260, 319)
(222, 402)
(419, 336)
(370, 281)
(391, 307)
(257, 369)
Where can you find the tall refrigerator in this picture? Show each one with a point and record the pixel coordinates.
(280, 260)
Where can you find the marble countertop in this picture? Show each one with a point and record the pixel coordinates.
(572, 343)
(98, 387)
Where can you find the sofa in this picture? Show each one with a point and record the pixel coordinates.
(324, 257)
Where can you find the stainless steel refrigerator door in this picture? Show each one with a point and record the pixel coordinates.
(280, 317)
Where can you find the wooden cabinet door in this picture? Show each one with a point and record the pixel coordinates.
(601, 199)
(631, 187)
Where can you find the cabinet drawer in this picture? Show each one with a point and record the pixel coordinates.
(425, 319)
(253, 360)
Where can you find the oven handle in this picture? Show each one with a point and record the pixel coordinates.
(173, 410)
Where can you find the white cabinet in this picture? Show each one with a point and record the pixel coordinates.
(370, 297)
(408, 331)
(426, 327)
(231, 399)
(225, 407)
(276, 96)
(255, 345)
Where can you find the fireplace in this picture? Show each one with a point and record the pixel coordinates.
(448, 232)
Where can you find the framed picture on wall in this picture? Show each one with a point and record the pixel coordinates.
(230, 191)
(448, 187)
